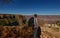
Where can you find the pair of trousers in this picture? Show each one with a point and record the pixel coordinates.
(38, 32)
(34, 32)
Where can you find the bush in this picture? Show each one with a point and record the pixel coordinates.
(2, 22)
(24, 21)
(58, 23)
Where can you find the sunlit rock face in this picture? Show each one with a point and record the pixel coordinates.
(11, 19)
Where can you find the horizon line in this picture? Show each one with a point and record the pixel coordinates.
(29, 14)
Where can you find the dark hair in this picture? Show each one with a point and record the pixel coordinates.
(35, 15)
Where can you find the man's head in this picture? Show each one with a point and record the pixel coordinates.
(35, 15)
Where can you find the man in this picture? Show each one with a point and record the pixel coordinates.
(33, 22)
(37, 29)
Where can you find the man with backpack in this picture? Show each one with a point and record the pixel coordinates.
(33, 22)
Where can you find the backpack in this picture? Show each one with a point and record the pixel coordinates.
(31, 22)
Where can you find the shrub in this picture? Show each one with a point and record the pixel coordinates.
(2, 22)
(58, 23)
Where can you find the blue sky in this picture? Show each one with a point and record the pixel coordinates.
(41, 7)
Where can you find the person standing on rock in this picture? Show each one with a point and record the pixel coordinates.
(33, 22)
(37, 29)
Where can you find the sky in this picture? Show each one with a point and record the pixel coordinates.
(26, 7)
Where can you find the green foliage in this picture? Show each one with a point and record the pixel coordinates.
(2, 22)
(24, 21)
(58, 23)
(12, 20)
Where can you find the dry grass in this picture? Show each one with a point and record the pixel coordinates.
(16, 32)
